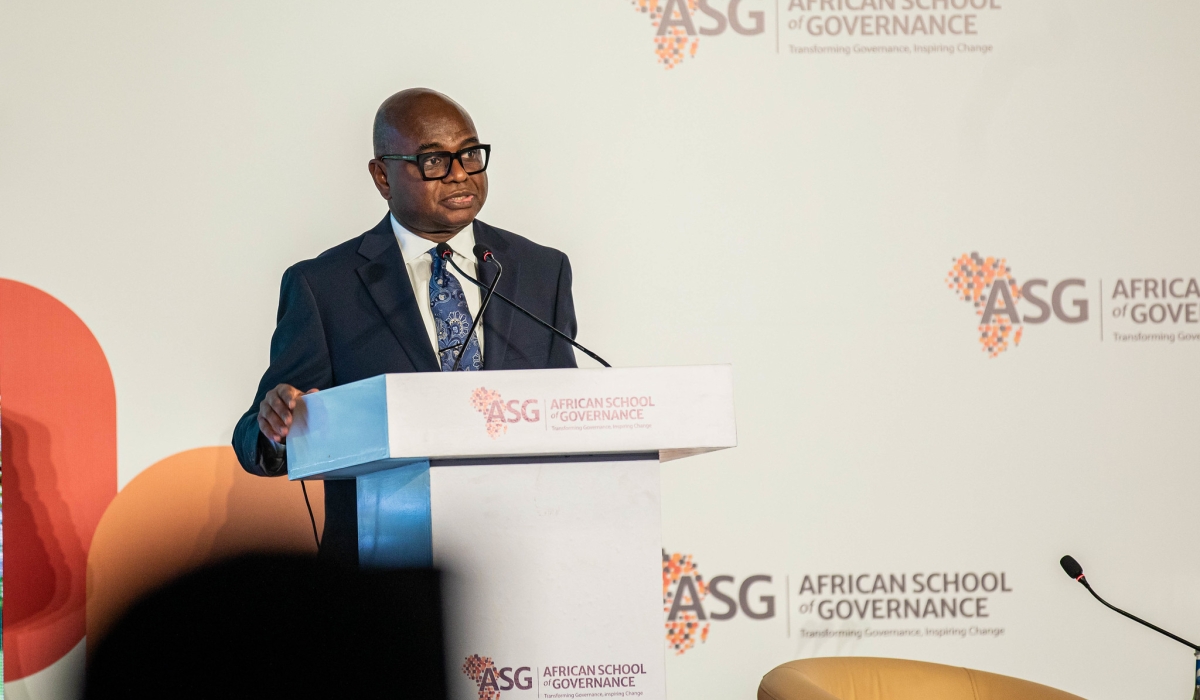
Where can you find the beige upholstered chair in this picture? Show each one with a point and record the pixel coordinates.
(860, 678)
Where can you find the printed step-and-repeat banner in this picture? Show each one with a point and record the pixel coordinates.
(948, 246)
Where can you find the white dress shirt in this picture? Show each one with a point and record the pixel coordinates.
(418, 258)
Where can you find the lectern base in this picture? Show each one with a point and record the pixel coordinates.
(552, 570)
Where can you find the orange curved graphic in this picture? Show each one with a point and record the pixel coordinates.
(187, 510)
(58, 432)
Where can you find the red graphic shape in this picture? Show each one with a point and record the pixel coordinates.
(482, 670)
(59, 441)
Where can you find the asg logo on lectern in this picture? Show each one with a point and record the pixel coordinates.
(678, 24)
(607, 678)
(498, 413)
(491, 679)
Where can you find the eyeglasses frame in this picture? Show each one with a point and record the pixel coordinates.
(416, 159)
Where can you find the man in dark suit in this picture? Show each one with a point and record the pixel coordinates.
(383, 303)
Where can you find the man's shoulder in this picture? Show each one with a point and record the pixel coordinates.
(343, 256)
(505, 242)
(342, 253)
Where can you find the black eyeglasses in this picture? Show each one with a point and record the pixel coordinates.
(436, 165)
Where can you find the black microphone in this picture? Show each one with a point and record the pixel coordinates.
(481, 251)
(1075, 571)
(445, 253)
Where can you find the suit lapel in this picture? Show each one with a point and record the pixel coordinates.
(386, 278)
(497, 320)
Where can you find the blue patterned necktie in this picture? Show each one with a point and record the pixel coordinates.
(452, 317)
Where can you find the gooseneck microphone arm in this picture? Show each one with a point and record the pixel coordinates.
(1075, 571)
(518, 307)
(445, 253)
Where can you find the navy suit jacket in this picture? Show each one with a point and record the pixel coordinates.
(350, 313)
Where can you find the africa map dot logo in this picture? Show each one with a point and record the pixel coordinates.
(476, 668)
(972, 279)
(685, 629)
(674, 44)
(488, 402)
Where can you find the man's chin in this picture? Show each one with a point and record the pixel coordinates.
(457, 218)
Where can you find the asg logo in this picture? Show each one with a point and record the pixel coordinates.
(498, 413)
(678, 23)
(685, 591)
(988, 284)
(491, 680)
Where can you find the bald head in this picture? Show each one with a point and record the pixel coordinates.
(404, 114)
(422, 121)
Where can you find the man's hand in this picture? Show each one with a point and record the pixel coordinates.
(275, 411)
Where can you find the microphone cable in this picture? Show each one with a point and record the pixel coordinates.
(520, 308)
(311, 519)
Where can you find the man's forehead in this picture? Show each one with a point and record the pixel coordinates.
(441, 130)
(438, 140)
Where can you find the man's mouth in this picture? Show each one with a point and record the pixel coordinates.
(459, 200)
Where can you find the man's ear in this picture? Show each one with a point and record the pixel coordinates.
(379, 177)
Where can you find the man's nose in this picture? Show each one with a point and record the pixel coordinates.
(457, 172)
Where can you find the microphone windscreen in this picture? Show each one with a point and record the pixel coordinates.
(1072, 567)
(481, 251)
(443, 249)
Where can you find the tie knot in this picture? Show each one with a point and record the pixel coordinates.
(438, 263)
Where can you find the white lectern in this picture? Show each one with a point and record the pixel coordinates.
(537, 492)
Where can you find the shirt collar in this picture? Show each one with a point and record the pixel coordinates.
(413, 246)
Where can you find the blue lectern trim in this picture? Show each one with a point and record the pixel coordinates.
(394, 518)
(359, 435)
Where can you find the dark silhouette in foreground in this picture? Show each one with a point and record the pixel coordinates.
(278, 627)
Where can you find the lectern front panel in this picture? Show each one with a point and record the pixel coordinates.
(553, 578)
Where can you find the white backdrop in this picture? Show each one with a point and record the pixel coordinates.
(793, 212)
